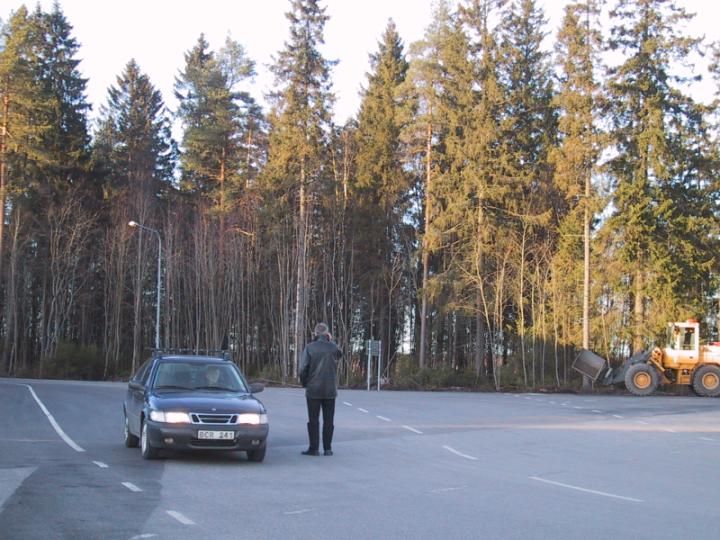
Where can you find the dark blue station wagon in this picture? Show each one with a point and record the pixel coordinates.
(194, 402)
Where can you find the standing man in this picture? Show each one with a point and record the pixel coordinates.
(318, 375)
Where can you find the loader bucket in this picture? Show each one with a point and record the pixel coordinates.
(590, 364)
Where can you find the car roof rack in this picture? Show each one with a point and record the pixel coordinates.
(215, 353)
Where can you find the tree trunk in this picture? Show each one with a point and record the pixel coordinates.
(10, 348)
(3, 181)
(425, 252)
(586, 276)
(301, 286)
(638, 312)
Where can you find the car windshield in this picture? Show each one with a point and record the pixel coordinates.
(192, 376)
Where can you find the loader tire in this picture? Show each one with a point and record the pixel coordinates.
(641, 379)
(706, 381)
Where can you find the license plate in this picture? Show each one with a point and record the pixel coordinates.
(214, 435)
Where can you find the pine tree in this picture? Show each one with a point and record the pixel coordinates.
(457, 107)
(44, 105)
(528, 128)
(299, 131)
(662, 221)
(56, 184)
(134, 146)
(575, 158)
(424, 137)
(379, 190)
(528, 121)
(134, 132)
(67, 142)
(19, 138)
(220, 120)
(15, 87)
(479, 226)
(214, 112)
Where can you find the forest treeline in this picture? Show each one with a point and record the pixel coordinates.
(492, 207)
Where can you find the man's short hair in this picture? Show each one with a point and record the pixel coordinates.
(321, 329)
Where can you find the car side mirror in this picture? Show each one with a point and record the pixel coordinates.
(256, 387)
(136, 385)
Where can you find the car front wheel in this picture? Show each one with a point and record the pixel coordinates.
(257, 455)
(147, 450)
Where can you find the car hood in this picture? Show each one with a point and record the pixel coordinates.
(201, 401)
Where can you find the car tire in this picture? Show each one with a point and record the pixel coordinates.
(147, 450)
(258, 455)
(131, 441)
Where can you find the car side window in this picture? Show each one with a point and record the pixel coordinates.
(142, 373)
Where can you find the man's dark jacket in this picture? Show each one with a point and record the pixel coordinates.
(318, 368)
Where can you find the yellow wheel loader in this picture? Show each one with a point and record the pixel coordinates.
(684, 361)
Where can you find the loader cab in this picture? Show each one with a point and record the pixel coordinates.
(683, 344)
(684, 336)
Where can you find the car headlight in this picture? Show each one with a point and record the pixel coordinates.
(251, 418)
(170, 417)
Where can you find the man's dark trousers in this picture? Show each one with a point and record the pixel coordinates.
(328, 410)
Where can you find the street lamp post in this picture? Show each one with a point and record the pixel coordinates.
(159, 266)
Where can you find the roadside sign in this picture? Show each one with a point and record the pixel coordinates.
(374, 349)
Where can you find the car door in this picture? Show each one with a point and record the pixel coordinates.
(136, 396)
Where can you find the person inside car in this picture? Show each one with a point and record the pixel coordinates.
(212, 375)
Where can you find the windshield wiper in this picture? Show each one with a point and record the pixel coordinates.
(223, 388)
(172, 387)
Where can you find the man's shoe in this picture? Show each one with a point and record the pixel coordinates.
(328, 452)
(309, 452)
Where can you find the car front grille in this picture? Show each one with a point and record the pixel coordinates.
(207, 443)
(205, 418)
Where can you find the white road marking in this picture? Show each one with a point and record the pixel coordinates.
(576, 407)
(54, 424)
(131, 487)
(347, 403)
(31, 440)
(182, 519)
(617, 416)
(585, 490)
(296, 512)
(362, 410)
(451, 449)
(642, 422)
(101, 464)
(413, 430)
(552, 403)
(706, 439)
(445, 490)
(596, 411)
(383, 418)
(141, 536)
(669, 430)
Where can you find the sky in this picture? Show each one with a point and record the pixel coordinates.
(157, 34)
